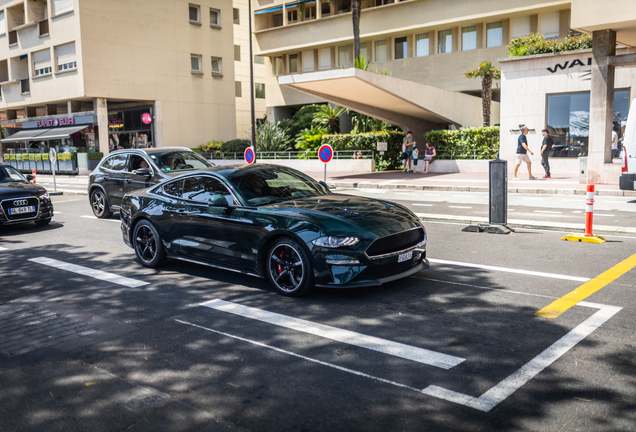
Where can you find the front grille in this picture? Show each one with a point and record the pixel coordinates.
(396, 242)
(22, 202)
(378, 272)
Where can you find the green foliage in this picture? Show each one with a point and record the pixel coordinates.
(368, 141)
(94, 155)
(272, 137)
(66, 156)
(485, 69)
(309, 140)
(327, 116)
(461, 144)
(301, 120)
(237, 145)
(209, 147)
(535, 43)
(361, 63)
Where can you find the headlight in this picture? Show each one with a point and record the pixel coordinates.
(44, 196)
(335, 242)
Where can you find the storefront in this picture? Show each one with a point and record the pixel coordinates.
(130, 128)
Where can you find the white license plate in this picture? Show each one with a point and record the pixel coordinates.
(405, 256)
(20, 210)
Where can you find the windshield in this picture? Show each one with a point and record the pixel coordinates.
(9, 174)
(271, 184)
(176, 161)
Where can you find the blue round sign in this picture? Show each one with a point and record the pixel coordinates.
(325, 153)
(249, 155)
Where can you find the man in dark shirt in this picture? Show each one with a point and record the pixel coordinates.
(522, 153)
(546, 152)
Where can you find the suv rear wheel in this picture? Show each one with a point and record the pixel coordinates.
(99, 204)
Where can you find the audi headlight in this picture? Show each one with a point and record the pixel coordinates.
(335, 242)
(44, 196)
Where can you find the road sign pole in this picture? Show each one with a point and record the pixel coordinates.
(53, 159)
(325, 176)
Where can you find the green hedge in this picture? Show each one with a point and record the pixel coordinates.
(66, 156)
(461, 144)
(236, 145)
(94, 155)
(535, 43)
(368, 141)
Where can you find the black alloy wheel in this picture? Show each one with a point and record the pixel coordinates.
(99, 204)
(289, 269)
(147, 245)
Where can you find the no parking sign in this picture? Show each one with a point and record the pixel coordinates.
(250, 158)
(325, 153)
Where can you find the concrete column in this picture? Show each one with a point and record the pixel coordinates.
(318, 9)
(100, 106)
(285, 15)
(51, 109)
(601, 107)
(158, 125)
(30, 112)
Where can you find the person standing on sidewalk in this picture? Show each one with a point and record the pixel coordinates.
(408, 149)
(522, 153)
(546, 152)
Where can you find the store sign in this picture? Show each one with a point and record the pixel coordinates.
(568, 65)
(146, 118)
(115, 124)
(69, 121)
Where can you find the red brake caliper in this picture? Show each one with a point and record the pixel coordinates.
(280, 269)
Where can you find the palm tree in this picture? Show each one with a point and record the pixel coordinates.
(327, 116)
(356, 6)
(487, 72)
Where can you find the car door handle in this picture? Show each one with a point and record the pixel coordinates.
(128, 180)
(181, 211)
(106, 178)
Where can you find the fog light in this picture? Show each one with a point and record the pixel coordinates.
(343, 262)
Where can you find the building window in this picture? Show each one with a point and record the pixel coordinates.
(278, 66)
(238, 90)
(236, 15)
(215, 17)
(3, 24)
(65, 57)
(259, 91)
(237, 53)
(325, 8)
(293, 63)
(216, 66)
(400, 48)
(519, 26)
(278, 20)
(344, 6)
(292, 16)
(422, 45)
(380, 51)
(259, 59)
(195, 63)
(469, 38)
(194, 13)
(363, 51)
(444, 41)
(549, 25)
(325, 58)
(42, 62)
(343, 56)
(308, 61)
(62, 6)
(310, 12)
(494, 34)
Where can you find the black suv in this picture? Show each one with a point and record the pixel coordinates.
(123, 171)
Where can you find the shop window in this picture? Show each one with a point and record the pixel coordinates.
(520, 26)
(400, 48)
(194, 13)
(277, 20)
(259, 59)
(343, 56)
(42, 62)
(215, 17)
(259, 91)
(363, 51)
(238, 89)
(236, 16)
(494, 34)
(308, 61)
(293, 63)
(325, 58)
(380, 51)
(444, 41)
(237, 53)
(469, 38)
(195, 63)
(65, 57)
(62, 6)
(279, 68)
(549, 25)
(422, 45)
(217, 66)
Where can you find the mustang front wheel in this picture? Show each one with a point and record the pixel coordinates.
(147, 245)
(289, 269)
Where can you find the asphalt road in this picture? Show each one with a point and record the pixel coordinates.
(473, 354)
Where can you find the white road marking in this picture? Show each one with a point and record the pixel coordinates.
(511, 270)
(511, 209)
(600, 214)
(484, 287)
(85, 271)
(464, 207)
(340, 368)
(422, 205)
(56, 212)
(512, 383)
(95, 217)
(577, 211)
(546, 211)
(396, 349)
(404, 193)
(3, 248)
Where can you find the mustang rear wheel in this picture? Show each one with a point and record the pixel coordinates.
(147, 245)
(289, 269)
(99, 204)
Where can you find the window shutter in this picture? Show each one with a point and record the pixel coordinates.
(65, 53)
(549, 25)
(41, 59)
(308, 61)
(3, 24)
(61, 6)
(325, 58)
(520, 26)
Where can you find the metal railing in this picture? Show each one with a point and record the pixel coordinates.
(310, 154)
(467, 153)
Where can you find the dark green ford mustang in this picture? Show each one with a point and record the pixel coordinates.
(274, 222)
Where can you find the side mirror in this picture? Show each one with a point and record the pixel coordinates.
(218, 200)
(29, 177)
(143, 171)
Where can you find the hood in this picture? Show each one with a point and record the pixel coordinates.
(19, 189)
(377, 216)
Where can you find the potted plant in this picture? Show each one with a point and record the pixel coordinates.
(93, 159)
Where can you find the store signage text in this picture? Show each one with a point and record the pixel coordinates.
(115, 124)
(568, 65)
(56, 122)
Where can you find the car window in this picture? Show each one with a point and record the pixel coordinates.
(115, 162)
(172, 161)
(205, 189)
(137, 162)
(174, 188)
(9, 174)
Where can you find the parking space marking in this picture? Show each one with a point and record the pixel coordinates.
(396, 349)
(85, 271)
(511, 270)
(423, 205)
(559, 306)
(95, 217)
(512, 383)
(462, 207)
(547, 211)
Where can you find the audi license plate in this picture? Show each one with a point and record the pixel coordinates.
(405, 257)
(20, 210)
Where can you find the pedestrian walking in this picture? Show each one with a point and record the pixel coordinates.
(522, 153)
(429, 156)
(546, 152)
(408, 145)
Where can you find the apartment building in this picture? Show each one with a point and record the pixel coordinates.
(100, 74)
